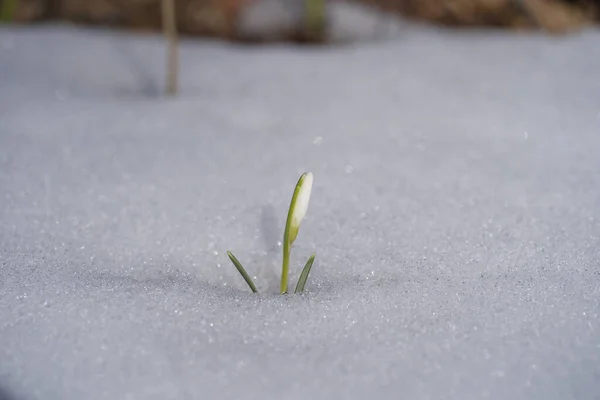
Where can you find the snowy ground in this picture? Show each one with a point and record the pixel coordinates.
(455, 216)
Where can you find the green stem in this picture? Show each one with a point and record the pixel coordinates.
(286, 262)
(283, 288)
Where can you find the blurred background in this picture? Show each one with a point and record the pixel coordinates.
(301, 20)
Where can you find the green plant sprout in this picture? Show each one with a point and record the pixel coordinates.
(296, 213)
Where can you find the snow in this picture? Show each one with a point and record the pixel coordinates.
(455, 216)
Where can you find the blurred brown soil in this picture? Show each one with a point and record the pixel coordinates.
(219, 17)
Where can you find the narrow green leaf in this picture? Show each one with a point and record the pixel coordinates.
(304, 275)
(242, 271)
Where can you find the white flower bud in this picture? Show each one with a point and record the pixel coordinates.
(300, 204)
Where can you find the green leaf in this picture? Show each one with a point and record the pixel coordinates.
(304, 275)
(242, 271)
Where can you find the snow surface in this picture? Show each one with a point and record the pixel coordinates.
(455, 214)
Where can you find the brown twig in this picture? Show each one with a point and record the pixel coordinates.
(170, 32)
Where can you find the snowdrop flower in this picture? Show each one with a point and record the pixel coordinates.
(296, 214)
(298, 207)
